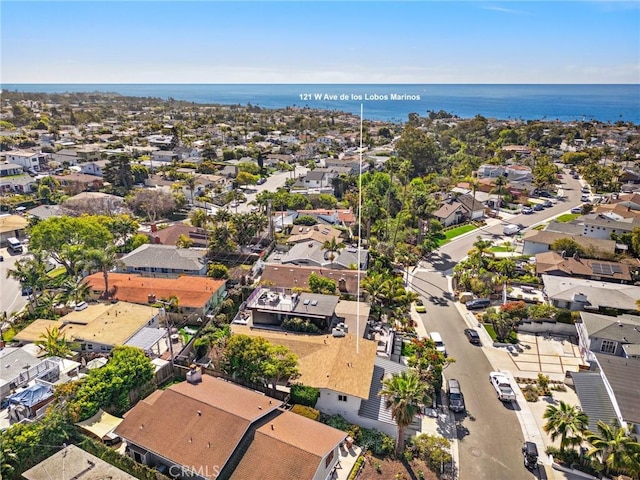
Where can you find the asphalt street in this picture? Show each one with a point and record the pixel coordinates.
(489, 433)
(11, 299)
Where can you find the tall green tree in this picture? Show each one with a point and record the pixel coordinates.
(65, 238)
(118, 173)
(257, 360)
(404, 395)
(567, 422)
(420, 149)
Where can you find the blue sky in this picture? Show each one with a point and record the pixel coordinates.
(320, 42)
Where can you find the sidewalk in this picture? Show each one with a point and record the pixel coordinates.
(438, 422)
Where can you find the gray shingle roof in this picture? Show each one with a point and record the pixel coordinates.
(624, 329)
(166, 256)
(623, 374)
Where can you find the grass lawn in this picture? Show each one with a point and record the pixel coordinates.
(455, 232)
(499, 248)
(513, 337)
(567, 217)
(56, 272)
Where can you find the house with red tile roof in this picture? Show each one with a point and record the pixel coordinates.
(197, 296)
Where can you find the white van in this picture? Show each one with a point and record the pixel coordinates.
(511, 229)
(435, 336)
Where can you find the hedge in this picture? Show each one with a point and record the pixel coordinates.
(303, 395)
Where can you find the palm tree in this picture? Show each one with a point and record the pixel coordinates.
(405, 395)
(75, 289)
(567, 422)
(32, 275)
(199, 218)
(191, 182)
(104, 261)
(332, 246)
(481, 249)
(614, 448)
(499, 183)
(54, 343)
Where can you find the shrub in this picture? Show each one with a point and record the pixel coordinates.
(335, 421)
(305, 220)
(303, 395)
(515, 309)
(433, 449)
(299, 325)
(357, 466)
(564, 316)
(543, 384)
(530, 393)
(305, 411)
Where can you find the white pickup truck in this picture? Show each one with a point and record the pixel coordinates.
(502, 386)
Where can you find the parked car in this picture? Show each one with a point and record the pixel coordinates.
(547, 204)
(81, 306)
(530, 454)
(420, 308)
(502, 386)
(27, 291)
(456, 399)
(473, 336)
(435, 336)
(576, 176)
(261, 180)
(576, 209)
(538, 207)
(478, 303)
(511, 229)
(527, 210)
(584, 198)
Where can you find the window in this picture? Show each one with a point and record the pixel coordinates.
(329, 458)
(342, 398)
(608, 346)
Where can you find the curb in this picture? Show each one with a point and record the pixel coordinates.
(573, 471)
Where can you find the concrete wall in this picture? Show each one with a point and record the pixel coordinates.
(549, 327)
(329, 404)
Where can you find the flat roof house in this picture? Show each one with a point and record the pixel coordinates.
(72, 463)
(580, 294)
(272, 305)
(100, 327)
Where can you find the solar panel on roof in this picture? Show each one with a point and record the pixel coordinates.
(605, 268)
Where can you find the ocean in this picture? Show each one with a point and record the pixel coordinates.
(605, 103)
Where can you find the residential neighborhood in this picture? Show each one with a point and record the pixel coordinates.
(207, 291)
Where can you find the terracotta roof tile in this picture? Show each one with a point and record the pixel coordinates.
(192, 291)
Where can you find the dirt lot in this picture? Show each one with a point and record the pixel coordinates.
(389, 470)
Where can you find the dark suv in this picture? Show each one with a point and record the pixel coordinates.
(456, 400)
(478, 303)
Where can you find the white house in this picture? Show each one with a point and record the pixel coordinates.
(28, 159)
(94, 168)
